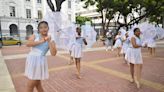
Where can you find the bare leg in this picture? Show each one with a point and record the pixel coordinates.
(71, 59)
(31, 85)
(149, 49)
(132, 72)
(125, 59)
(111, 48)
(153, 51)
(107, 48)
(118, 51)
(39, 87)
(78, 67)
(138, 74)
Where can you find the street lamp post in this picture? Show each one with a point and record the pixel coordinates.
(1, 43)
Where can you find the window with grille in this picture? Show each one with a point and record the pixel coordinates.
(69, 3)
(40, 14)
(39, 1)
(12, 11)
(28, 13)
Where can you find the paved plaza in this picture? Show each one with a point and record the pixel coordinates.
(102, 71)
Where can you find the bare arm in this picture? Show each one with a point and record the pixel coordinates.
(52, 47)
(85, 42)
(133, 41)
(31, 42)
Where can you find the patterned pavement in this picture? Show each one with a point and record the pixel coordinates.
(101, 71)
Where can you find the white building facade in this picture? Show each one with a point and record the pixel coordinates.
(19, 18)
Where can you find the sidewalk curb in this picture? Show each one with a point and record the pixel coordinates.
(6, 84)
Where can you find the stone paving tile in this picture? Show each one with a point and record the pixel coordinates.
(152, 70)
(92, 81)
(101, 71)
(15, 50)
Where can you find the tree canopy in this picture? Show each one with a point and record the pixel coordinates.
(130, 11)
(81, 20)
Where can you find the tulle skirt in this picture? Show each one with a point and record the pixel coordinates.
(124, 48)
(134, 56)
(118, 43)
(151, 44)
(76, 51)
(109, 42)
(36, 67)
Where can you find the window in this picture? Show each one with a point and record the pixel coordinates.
(12, 11)
(69, 3)
(39, 1)
(28, 13)
(40, 14)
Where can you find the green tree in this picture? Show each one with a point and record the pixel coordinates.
(144, 8)
(81, 20)
(105, 8)
(127, 9)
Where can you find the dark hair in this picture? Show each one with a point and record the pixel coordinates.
(78, 28)
(136, 29)
(42, 22)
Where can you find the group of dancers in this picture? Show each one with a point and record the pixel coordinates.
(121, 42)
(130, 47)
(55, 32)
(36, 68)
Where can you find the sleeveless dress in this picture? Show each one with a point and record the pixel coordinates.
(125, 46)
(77, 48)
(109, 40)
(134, 55)
(36, 63)
(118, 42)
(151, 43)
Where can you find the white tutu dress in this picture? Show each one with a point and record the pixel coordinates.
(134, 55)
(76, 50)
(36, 63)
(151, 43)
(118, 42)
(125, 46)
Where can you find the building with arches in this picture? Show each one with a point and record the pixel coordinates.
(19, 18)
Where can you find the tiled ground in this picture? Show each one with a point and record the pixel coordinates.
(101, 71)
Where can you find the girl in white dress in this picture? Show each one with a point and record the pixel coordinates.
(134, 56)
(125, 46)
(36, 68)
(109, 41)
(118, 43)
(151, 46)
(76, 51)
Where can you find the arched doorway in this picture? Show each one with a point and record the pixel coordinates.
(13, 30)
(29, 30)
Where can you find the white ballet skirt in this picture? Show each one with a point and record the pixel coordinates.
(151, 43)
(76, 50)
(125, 46)
(118, 42)
(134, 55)
(36, 67)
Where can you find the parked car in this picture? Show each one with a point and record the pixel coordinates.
(10, 41)
(0, 42)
